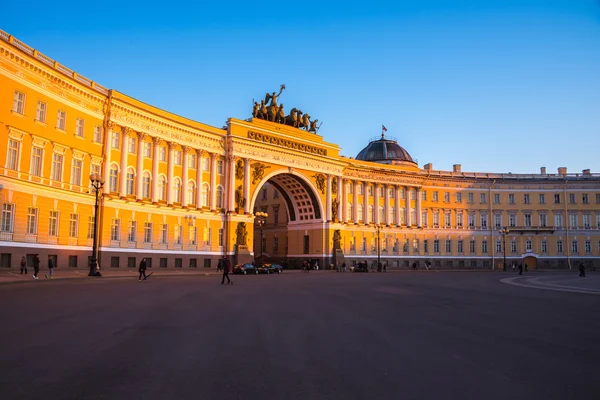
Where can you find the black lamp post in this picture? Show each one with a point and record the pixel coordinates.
(261, 218)
(504, 232)
(97, 184)
(378, 230)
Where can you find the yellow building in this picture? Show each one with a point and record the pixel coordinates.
(183, 193)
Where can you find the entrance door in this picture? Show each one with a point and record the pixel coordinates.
(531, 262)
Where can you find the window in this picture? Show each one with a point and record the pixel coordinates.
(32, 214)
(435, 196)
(369, 189)
(177, 157)
(446, 197)
(205, 164)
(511, 198)
(164, 232)
(482, 198)
(597, 198)
(448, 246)
(6, 225)
(207, 236)
(275, 216)
(191, 193)
(471, 220)
(193, 234)
(598, 220)
(573, 220)
(114, 138)
(40, 112)
(459, 219)
(177, 191)
(380, 191)
(53, 224)
(146, 185)
(425, 246)
(588, 246)
(79, 127)
(275, 245)
(91, 226)
(459, 197)
(424, 219)
(584, 198)
(192, 161)
(424, 195)
(498, 246)
(131, 231)
(484, 220)
(61, 120)
(484, 246)
(558, 220)
(147, 149)
(496, 198)
(472, 246)
(177, 233)
(113, 178)
(264, 194)
(544, 246)
(557, 199)
(497, 220)
(542, 198)
(559, 246)
(95, 169)
(205, 193)
(381, 214)
(131, 144)
(392, 192)
(220, 197)
(391, 214)
(587, 221)
(575, 246)
(436, 246)
(460, 246)
(76, 172)
(115, 229)
(57, 160)
(527, 219)
(147, 232)
(220, 167)
(447, 220)
(371, 213)
(36, 161)
(12, 157)
(359, 188)
(512, 220)
(436, 218)
(162, 188)
(513, 246)
(19, 102)
(471, 197)
(162, 154)
(97, 134)
(416, 246)
(73, 225)
(572, 198)
(543, 220)
(526, 198)
(275, 193)
(528, 246)
(220, 236)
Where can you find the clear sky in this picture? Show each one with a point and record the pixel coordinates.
(497, 85)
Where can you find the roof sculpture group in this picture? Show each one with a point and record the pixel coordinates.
(269, 110)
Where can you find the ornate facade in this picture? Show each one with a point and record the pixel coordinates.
(183, 193)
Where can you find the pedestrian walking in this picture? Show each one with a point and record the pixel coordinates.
(226, 265)
(36, 266)
(50, 268)
(581, 269)
(142, 269)
(414, 266)
(427, 265)
(24, 265)
(525, 267)
(343, 267)
(513, 266)
(520, 269)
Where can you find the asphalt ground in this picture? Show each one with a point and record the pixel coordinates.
(423, 335)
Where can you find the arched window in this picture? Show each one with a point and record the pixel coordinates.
(205, 194)
(177, 191)
(191, 193)
(113, 178)
(146, 185)
(130, 184)
(220, 197)
(361, 212)
(162, 188)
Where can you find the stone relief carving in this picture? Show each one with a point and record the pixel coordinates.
(241, 234)
(239, 169)
(258, 171)
(320, 182)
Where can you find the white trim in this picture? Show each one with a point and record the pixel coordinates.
(151, 251)
(46, 246)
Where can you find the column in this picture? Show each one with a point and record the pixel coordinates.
(139, 193)
(345, 201)
(407, 209)
(387, 204)
(213, 181)
(328, 199)
(366, 202)
(123, 181)
(107, 150)
(247, 185)
(376, 205)
(397, 216)
(199, 181)
(339, 197)
(231, 190)
(155, 143)
(185, 176)
(419, 222)
(170, 168)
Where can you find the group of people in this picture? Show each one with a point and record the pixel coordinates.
(36, 266)
(310, 264)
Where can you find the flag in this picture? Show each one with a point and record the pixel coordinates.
(383, 128)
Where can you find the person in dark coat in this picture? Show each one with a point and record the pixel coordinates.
(520, 269)
(581, 270)
(226, 265)
(24, 265)
(36, 266)
(142, 269)
(50, 268)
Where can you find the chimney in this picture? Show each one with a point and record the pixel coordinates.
(456, 168)
(586, 172)
(543, 170)
(428, 167)
(562, 170)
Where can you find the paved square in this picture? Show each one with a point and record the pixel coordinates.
(323, 335)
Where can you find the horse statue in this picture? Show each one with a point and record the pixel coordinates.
(305, 121)
(262, 110)
(292, 119)
(313, 126)
(280, 117)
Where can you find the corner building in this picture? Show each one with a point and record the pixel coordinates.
(183, 193)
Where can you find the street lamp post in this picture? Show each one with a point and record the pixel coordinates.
(261, 218)
(378, 230)
(504, 231)
(97, 182)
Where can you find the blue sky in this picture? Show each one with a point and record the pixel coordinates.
(497, 86)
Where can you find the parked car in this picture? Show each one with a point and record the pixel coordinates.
(263, 269)
(274, 268)
(245, 269)
(361, 268)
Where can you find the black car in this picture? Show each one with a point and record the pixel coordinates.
(263, 269)
(274, 268)
(361, 268)
(245, 269)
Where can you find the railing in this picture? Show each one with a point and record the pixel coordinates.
(43, 181)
